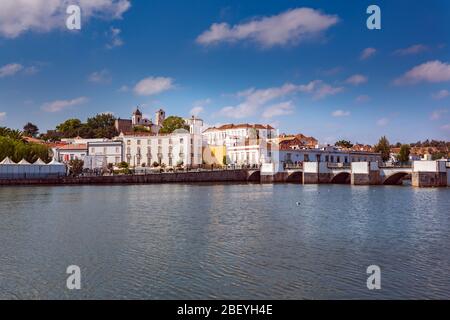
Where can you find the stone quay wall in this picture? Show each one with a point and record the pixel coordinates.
(177, 177)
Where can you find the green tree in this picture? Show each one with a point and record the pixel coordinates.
(102, 125)
(344, 144)
(70, 128)
(30, 130)
(439, 155)
(11, 133)
(51, 136)
(403, 155)
(17, 149)
(76, 166)
(173, 123)
(123, 165)
(140, 129)
(384, 148)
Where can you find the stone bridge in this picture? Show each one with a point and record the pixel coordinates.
(421, 173)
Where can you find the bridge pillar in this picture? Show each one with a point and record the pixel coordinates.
(310, 172)
(316, 172)
(365, 173)
(272, 173)
(428, 174)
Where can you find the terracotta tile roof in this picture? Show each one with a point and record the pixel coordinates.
(138, 134)
(48, 144)
(80, 146)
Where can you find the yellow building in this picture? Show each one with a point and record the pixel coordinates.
(214, 155)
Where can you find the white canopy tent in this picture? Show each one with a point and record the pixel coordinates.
(25, 170)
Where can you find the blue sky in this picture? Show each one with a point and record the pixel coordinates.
(303, 66)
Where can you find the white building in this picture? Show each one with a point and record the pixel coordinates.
(235, 134)
(181, 147)
(111, 151)
(101, 153)
(331, 154)
(70, 152)
(249, 152)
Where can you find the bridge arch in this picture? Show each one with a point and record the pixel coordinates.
(341, 178)
(254, 176)
(396, 178)
(295, 177)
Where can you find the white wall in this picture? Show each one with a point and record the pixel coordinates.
(310, 167)
(425, 166)
(147, 149)
(360, 167)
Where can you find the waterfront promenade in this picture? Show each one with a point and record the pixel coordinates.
(421, 174)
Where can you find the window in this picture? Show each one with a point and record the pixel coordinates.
(92, 150)
(138, 142)
(128, 142)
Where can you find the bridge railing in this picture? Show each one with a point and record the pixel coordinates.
(395, 166)
(293, 166)
(340, 165)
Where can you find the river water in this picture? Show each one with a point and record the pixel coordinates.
(228, 241)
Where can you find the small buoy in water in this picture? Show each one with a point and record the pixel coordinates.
(297, 203)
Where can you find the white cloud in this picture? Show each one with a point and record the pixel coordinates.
(195, 111)
(115, 39)
(290, 27)
(199, 106)
(367, 53)
(10, 69)
(31, 70)
(445, 127)
(327, 90)
(415, 49)
(2, 115)
(19, 16)
(153, 85)
(102, 76)
(255, 99)
(357, 79)
(279, 109)
(340, 113)
(382, 122)
(59, 105)
(437, 114)
(362, 98)
(441, 94)
(431, 71)
(124, 88)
